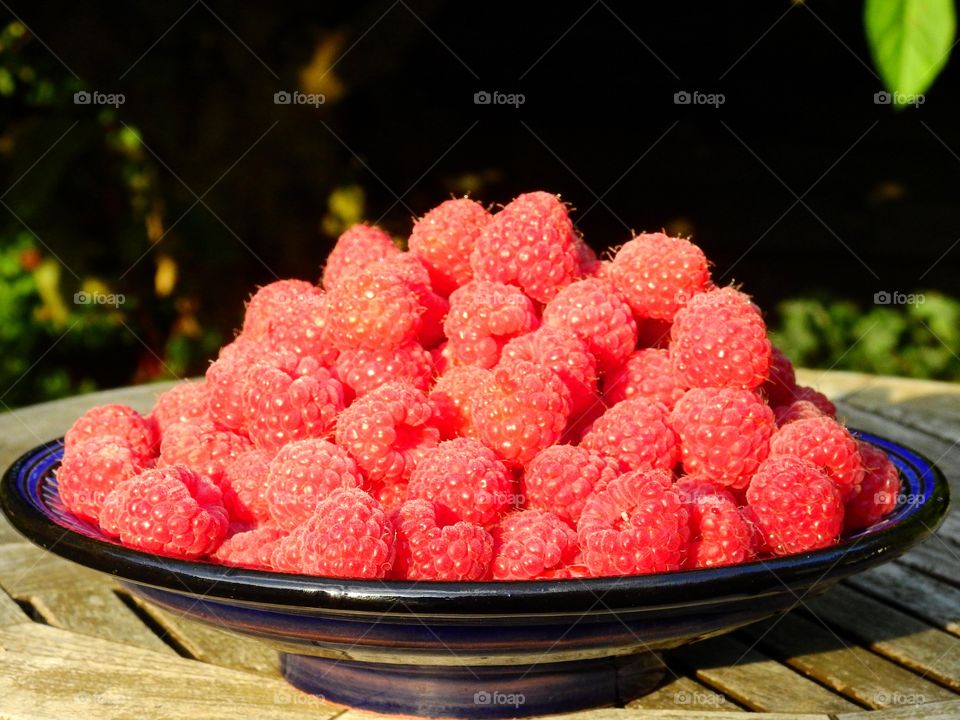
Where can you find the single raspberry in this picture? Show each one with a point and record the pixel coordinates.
(529, 243)
(348, 536)
(358, 247)
(375, 309)
(720, 340)
(658, 274)
(444, 238)
(203, 446)
(645, 373)
(290, 400)
(90, 469)
(637, 434)
(653, 333)
(388, 430)
(795, 505)
(724, 434)
(225, 386)
(563, 352)
(184, 401)
(878, 491)
(781, 379)
(523, 410)
(808, 394)
(429, 549)
(719, 535)
(250, 548)
(452, 399)
(828, 445)
(166, 511)
(365, 370)
(483, 317)
(594, 311)
(796, 410)
(466, 479)
(302, 474)
(244, 487)
(561, 478)
(290, 316)
(132, 429)
(637, 525)
(529, 543)
(434, 307)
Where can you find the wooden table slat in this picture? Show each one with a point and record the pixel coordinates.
(10, 612)
(684, 692)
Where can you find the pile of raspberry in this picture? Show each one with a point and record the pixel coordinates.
(492, 403)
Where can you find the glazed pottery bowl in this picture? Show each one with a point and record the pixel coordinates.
(488, 649)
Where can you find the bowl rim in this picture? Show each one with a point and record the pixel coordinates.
(598, 596)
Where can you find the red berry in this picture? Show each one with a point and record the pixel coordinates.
(357, 248)
(290, 316)
(90, 469)
(796, 410)
(781, 380)
(374, 309)
(130, 428)
(530, 543)
(430, 549)
(250, 548)
(225, 386)
(444, 238)
(878, 492)
(561, 478)
(483, 317)
(828, 445)
(452, 398)
(244, 487)
(183, 402)
(365, 370)
(203, 446)
(637, 434)
(808, 394)
(719, 535)
(645, 373)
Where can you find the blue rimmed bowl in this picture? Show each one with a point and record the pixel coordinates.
(487, 649)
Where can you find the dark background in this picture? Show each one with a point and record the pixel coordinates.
(598, 126)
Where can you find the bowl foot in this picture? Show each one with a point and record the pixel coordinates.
(478, 691)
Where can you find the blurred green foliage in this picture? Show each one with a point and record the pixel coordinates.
(917, 339)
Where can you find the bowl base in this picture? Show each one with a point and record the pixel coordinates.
(477, 691)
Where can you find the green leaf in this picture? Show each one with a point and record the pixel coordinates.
(910, 41)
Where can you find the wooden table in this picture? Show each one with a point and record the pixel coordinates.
(72, 644)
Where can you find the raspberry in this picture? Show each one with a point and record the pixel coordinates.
(521, 411)
(529, 543)
(348, 536)
(465, 479)
(483, 317)
(357, 248)
(658, 274)
(244, 487)
(289, 400)
(365, 370)
(594, 311)
(781, 379)
(529, 243)
(166, 511)
(184, 401)
(636, 434)
(374, 309)
(444, 238)
(428, 549)
(564, 353)
(452, 399)
(637, 525)
(90, 469)
(808, 394)
(878, 491)
(797, 410)
(434, 307)
(302, 474)
(290, 316)
(828, 445)
(724, 434)
(719, 535)
(388, 430)
(653, 333)
(720, 340)
(561, 478)
(646, 373)
(130, 428)
(795, 505)
(203, 446)
(250, 548)
(225, 385)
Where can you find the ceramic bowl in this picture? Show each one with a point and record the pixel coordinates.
(488, 649)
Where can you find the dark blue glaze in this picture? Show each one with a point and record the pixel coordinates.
(430, 648)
